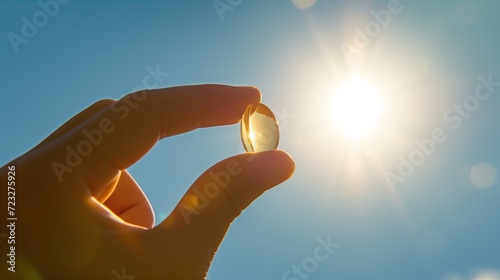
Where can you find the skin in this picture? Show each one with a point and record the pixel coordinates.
(95, 219)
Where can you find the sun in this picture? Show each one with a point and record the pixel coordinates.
(356, 109)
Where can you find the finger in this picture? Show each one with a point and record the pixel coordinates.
(121, 134)
(76, 120)
(129, 202)
(219, 195)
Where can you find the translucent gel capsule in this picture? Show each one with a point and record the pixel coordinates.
(259, 129)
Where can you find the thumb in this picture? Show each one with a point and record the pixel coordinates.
(219, 195)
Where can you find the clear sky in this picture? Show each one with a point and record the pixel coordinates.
(417, 197)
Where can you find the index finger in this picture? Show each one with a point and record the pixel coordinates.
(120, 135)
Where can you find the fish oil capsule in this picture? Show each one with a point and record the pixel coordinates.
(259, 129)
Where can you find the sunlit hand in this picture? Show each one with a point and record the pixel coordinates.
(81, 215)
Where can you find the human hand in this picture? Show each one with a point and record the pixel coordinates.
(81, 215)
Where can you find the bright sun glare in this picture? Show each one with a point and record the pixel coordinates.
(356, 109)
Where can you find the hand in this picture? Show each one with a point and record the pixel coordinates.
(81, 215)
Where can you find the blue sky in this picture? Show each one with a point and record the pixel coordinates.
(426, 60)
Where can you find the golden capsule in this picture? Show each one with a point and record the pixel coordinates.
(259, 129)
